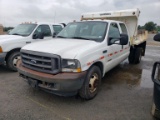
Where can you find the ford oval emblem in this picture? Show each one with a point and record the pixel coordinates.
(34, 61)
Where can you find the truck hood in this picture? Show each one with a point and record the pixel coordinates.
(66, 48)
(7, 38)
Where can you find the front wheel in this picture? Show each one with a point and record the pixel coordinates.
(12, 60)
(91, 84)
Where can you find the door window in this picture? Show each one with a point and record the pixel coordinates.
(45, 29)
(114, 33)
(123, 28)
(57, 28)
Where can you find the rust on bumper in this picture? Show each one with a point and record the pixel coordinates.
(63, 82)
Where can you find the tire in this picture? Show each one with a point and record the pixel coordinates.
(131, 56)
(135, 56)
(138, 55)
(91, 84)
(12, 59)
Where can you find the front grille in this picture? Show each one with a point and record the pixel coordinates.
(43, 62)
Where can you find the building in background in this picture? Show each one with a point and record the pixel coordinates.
(1, 29)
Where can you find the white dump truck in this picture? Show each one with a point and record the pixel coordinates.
(21, 35)
(80, 55)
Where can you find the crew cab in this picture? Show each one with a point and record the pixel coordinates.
(80, 55)
(21, 35)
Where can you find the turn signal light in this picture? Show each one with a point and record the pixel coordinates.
(79, 70)
(1, 49)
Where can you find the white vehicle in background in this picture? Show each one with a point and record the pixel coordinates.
(21, 35)
(80, 55)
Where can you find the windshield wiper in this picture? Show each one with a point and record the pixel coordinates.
(80, 38)
(60, 37)
(16, 34)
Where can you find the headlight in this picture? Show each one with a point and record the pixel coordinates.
(71, 65)
(1, 49)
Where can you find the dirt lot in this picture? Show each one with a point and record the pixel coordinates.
(126, 94)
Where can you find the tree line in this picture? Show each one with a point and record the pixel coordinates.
(6, 29)
(150, 26)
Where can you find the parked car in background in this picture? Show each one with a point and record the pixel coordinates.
(21, 35)
(156, 80)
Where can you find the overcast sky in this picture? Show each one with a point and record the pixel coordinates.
(13, 12)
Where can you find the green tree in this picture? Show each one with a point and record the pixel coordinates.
(7, 28)
(158, 28)
(140, 27)
(150, 26)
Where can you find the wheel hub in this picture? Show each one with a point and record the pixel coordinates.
(15, 60)
(93, 83)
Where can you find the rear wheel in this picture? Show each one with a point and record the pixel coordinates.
(12, 60)
(138, 55)
(91, 84)
(131, 56)
(135, 56)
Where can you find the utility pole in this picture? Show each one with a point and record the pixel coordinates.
(54, 16)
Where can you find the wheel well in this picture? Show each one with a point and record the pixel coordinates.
(100, 65)
(10, 52)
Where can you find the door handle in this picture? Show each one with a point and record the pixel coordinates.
(28, 42)
(105, 51)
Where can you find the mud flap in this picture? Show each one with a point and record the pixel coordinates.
(33, 83)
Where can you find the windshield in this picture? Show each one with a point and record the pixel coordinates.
(23, 29)
(89, 30)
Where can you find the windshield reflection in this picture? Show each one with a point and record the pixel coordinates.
(23, 29)
(88, 30)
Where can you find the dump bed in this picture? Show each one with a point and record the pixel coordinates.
(129, 17)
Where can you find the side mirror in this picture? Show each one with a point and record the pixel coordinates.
(54, 34)
(157, 37)
(124, 39)
(35, 36)
(38, 36)
(41, 36)
(156, 73)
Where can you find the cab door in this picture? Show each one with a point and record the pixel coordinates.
(125, 48)
(113, 46)
(114, 39)
(43, 29)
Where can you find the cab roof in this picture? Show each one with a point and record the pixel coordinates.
(39, 23)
